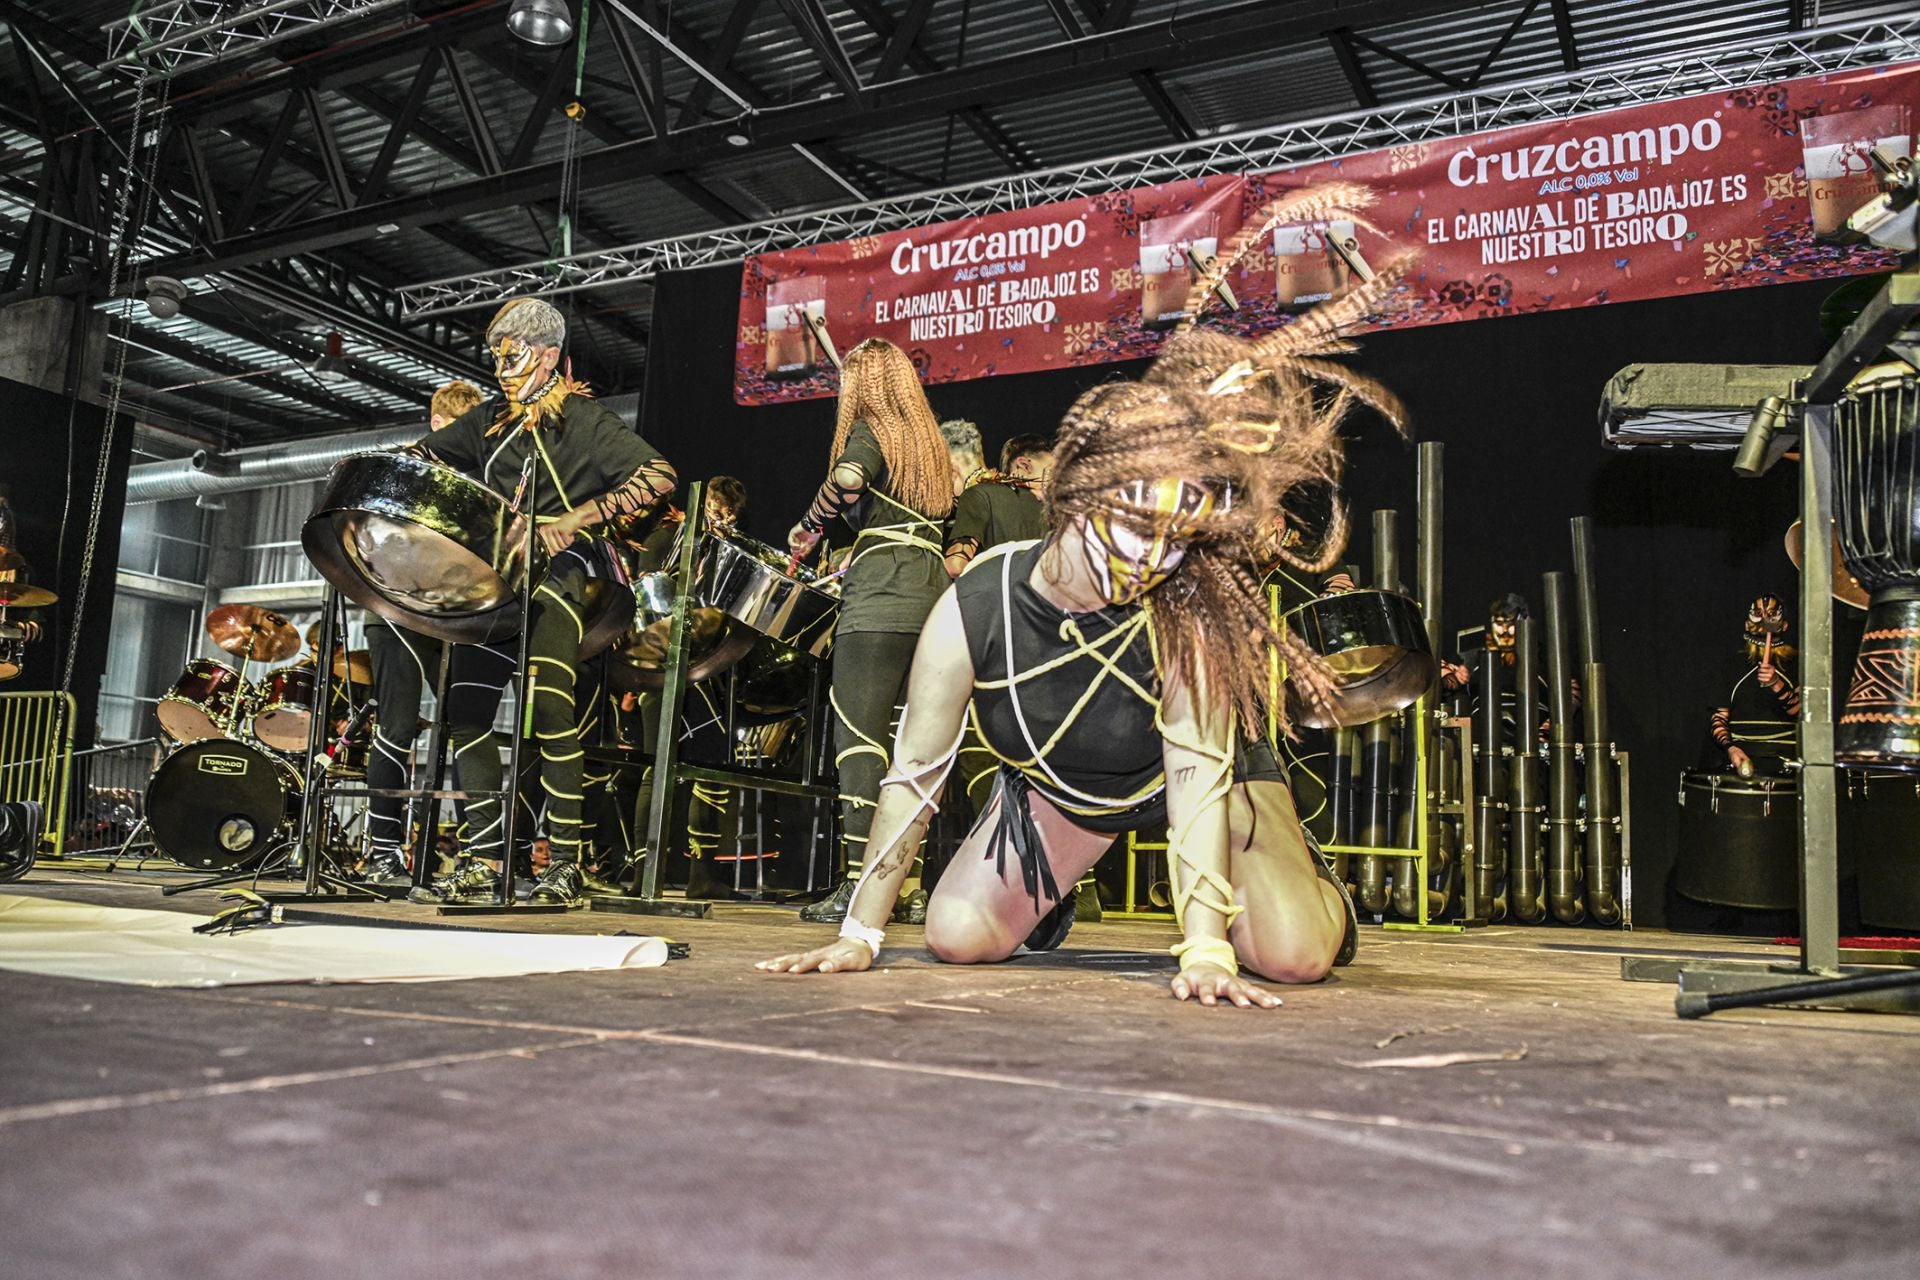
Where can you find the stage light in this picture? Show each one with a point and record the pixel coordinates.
(542, 22)
(332, 366)
(164, 296)
(1757, 448)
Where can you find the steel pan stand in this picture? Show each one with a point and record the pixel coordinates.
(321, 885)
(644, 898)
(1819, 979)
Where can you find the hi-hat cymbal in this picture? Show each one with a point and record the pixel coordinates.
(1846, 587)
(260, 634)
(20, 595)
(356, 666)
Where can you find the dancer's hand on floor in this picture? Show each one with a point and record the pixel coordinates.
(1210, 984)
(842, 955)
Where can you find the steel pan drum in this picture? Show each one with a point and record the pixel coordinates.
(742, 595)
(421, 545)
(1375, 643)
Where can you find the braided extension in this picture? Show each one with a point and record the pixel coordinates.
(1259, 424)
(1321, 204)
(879, 384)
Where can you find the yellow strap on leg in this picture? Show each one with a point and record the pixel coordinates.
(1195, 885)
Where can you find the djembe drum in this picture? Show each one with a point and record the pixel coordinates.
(1876, 496)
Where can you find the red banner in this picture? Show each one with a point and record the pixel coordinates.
(1720, 191)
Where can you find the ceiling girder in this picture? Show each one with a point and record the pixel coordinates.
(1054, 69)
(1720, 68)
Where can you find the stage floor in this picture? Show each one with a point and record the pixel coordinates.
(1055, 1116)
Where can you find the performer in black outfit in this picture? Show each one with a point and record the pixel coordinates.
(1755, 730)
(404, 663)
(992, 507)
(1114, 666)
(890, 479)
(585, 467)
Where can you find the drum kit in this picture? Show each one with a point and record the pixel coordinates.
(229, 790)
(16, 595)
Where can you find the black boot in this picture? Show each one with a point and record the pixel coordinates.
(831, 909)
(1053, 927)
(704, 884)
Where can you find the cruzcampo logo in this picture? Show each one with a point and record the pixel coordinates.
(225, 766)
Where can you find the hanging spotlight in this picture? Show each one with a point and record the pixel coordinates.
(333, 366)
(164, 296)
(542, 22)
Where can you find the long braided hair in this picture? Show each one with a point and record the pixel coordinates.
(879, 384)
(1258, 423)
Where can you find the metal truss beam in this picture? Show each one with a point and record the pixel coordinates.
(1057, 68)
(1780, 57)
(180, 36)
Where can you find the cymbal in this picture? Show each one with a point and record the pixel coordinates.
(20, 595)
(1846, 588)
(260, 634)
(356, 666)
(11, 559)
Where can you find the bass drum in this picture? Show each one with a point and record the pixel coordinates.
(1739, 841)
(222, 805)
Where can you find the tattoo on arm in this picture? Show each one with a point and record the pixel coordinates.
(1185, 773)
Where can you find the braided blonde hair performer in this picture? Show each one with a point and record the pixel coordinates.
(1119, 667)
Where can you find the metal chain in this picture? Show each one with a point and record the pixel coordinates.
(125, 230)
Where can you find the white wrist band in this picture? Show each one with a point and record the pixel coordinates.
(851, 928)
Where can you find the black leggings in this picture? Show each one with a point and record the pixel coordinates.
(869, 684)
(479, 677)
(403, 662)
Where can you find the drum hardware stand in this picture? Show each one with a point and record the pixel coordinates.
(644, 897)
(506, 901)
(1819, 979)
(321, 885)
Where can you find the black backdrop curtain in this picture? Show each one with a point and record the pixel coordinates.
(36, 429)
(1682, 544)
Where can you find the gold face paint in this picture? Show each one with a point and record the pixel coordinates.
(1127, 562)
(515, 365)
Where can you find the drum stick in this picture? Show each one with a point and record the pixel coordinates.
(1766, 651)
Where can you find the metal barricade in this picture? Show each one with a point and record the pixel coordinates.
(109, 795)
(36, 755)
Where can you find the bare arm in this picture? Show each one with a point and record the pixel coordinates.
(1197, 748)
(937, 694)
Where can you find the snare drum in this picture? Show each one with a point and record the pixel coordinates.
(208, 697)
(1739, 841)
(283, 708)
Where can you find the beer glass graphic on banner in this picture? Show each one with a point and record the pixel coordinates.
(794, 307)
(1306, 270)
(1169, 247)
(1840, 173)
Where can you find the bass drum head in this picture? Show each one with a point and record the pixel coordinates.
(219, 804)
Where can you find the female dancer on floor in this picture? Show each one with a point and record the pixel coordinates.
(1119, 669)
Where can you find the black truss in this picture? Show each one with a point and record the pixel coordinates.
(1096, 58)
